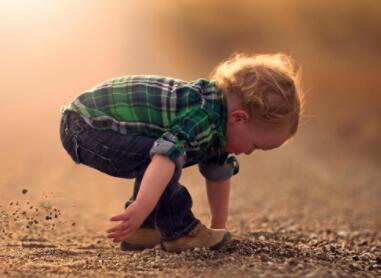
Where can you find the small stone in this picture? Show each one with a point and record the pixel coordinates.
(264, 258)
(145, 251)
(292, 262)
(24, 191)
(355, 266)
(342, 233)
(262, 238)
(46, 205)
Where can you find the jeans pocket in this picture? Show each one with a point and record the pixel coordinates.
(94, 159)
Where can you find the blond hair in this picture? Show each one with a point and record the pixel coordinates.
(268, 86)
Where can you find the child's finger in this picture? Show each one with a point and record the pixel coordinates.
(116, 234)
(120, 233)
(119, 217)
(119, 230)
(119, 227)
(124, 235)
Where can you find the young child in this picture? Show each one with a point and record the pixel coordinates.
(151, 127)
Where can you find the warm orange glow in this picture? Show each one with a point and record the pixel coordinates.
(317, 198)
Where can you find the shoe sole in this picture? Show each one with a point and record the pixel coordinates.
(225, 240)
(125, 246)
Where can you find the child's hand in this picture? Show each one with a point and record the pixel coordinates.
(132, 218)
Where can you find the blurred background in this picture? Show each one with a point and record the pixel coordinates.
(52, 50)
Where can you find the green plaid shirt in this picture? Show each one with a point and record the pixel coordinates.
(188, 119)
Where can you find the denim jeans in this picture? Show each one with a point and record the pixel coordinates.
(127, 156)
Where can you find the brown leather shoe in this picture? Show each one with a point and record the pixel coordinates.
(200, 236)
(142, 239)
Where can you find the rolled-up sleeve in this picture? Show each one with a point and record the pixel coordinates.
(174, 150)
(219, 168)
(190, 129)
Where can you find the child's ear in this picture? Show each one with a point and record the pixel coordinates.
(239, 116)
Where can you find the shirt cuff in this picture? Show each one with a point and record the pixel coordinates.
(174, 151)
(219, 172)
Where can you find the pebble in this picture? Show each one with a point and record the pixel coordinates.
(145, 251)
(342, 233)
(264, 258)
(262, 238)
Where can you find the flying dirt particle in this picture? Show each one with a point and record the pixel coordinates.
(73, 224)
(24, 191)
(46, 205)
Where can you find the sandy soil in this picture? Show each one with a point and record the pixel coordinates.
(308, 209)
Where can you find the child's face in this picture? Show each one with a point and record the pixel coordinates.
(244, 135)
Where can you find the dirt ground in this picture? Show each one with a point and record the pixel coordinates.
(310, 208)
